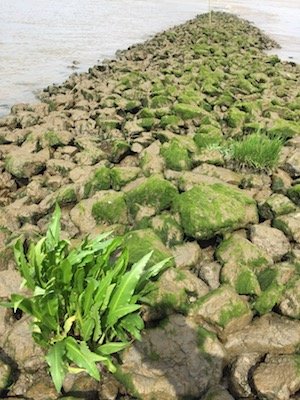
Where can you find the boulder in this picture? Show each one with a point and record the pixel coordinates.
(278, 377)
(276, 205)
(290, 225)
(23, 164)
(168, 364)
(270, 333)
(240, 376)
(208, 210)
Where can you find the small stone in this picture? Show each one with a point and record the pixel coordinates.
(290, 225)
(276, 205)
(186, 255)
(240, 374)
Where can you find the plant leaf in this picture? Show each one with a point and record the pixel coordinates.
(24, 267)
(53, 232)
(82, 356)
(110, 348)
(56, 361)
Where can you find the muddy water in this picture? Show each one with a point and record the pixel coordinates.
(41, 39)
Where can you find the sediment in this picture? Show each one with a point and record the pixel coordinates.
(143, 145)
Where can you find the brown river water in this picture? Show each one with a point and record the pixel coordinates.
(43, 42)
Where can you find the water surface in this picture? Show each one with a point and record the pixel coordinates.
(40, 39)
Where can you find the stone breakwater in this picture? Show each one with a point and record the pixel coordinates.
(140, 145)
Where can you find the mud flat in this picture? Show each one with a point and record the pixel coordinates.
(189, 145)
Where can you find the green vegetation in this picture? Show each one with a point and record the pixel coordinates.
(85, 301)
(257, 151)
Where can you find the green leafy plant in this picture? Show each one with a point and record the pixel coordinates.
(257, 151)
(85, 300)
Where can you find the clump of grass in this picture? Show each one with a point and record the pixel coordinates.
(257, 151)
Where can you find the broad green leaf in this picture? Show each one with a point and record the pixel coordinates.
(121, 312)
(21, 302)
(88, 296)
(56, 361)
(66, 268)
(110, 348)
(68, 324)
(87, 327)
(133, 324)
(24, 267)
(125, 290)
(53, 232)
(152, 272)
(81, 355)
(100, 293)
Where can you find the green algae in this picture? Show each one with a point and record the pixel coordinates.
(110, 209)
(176, 156)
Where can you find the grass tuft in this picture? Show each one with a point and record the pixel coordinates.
(257, 151)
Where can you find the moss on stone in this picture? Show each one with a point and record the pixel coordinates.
(210, 136)
(208, 210)
(142, 242)
(176, 156)
(120, 176)
(169, 120)
(203, 335)
(236, 118)
(247, 282)
(147, 113)
(268, 299)
(187, 111)
(275, 206)
(167, 228)
(133, 106)
(66, 195)
(160, 101)
(107, 124)
(126, 380)
(110, 208)
(294, 194)
(232, 311)
(146, 123)
(52, 138)
(119, 149)
(155, 192)
(284, 129)
(100, 180)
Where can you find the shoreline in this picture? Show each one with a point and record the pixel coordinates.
(188, 145)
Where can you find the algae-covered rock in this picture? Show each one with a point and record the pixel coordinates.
(290, 301)
(110, 208)
(151, 161)
(154, 192)
(276, 205)
(290, 225)
(142, 242)
(175, 291)
(236, 118)
(188, 111)
(120, 176)
(284, 129)
(187, 255)
(23, 164)
(66, 194)
(167, 228)
(176, 156)
(100, 180)
(223, 309)
(292, 164)
(294, 194)
(208, 210)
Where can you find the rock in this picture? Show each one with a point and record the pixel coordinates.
(98, 179)
(208, 210)
(276, 205)
(188, 179)
(23, 164)
(187, 111)
(59, 167)
(20, 346)
(175, 291)
(270, 333)
(270, 240)
(187, 255)
(121, 176)
(56, 138)
(167, 228)
(223, 309)
(278, 377)
(42, 389)
(281, 182)
(292, 164)
(209, 272)
(176, 156)
(225, 175)
(290, 225)
(217, 394)
(240, 374)
(151, 161)
(10, 282)
(141, 242)
(294, 194)
(5, 376)
(110, 208)
(155, 192)
(290, 301)
(168, 363)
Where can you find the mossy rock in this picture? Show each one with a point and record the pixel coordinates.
(167, 228)
(142, 242)
(66, 195)
(100, 180)
(147, 123)
(160, 101)
(147, 113)
(154, 192)
(187, 111)
(224, 309)
(210, 136)
(107, 125)
(294, 194)
(119, 150)
(176, 156)
(110, 208)
(120, 176)
(276, 205)
(236, 118)
(133, 106)
(208, 210)
(284, 129)
(170, 121)
(242, 278)
(238, 250)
